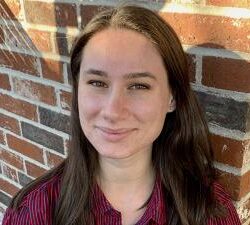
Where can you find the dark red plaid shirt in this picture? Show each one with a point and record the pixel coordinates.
(37, 206)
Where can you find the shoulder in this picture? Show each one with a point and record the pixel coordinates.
(36, 207)
(224, 199)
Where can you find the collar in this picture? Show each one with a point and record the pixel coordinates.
(155, 210)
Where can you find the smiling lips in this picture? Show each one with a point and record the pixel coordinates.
(114, 135)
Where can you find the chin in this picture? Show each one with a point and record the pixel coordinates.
(114, 154)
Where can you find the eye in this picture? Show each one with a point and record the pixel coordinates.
(97, 83)
(139, 86)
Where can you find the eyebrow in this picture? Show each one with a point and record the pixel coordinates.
(126, 76)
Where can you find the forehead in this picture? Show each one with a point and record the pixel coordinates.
(120, 50)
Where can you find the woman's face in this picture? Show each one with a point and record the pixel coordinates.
(123, 93)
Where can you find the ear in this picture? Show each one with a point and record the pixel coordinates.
(172, 104)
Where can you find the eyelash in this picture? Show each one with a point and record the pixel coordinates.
(139, 87)
(135, 86)
(97, 83)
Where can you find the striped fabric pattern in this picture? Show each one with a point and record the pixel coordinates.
(37, 206)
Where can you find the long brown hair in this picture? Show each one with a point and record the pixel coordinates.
(182, 153)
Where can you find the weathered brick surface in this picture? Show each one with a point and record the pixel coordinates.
(54, 120)
(69, 74)
(65, 100)
(52, 70)
(35, 91)
(11, 159)
(2, 39)
(23, 179)
(225, 112)
(2, 210)
(230, 182)
(230, 3)
(2, 141)
(212, 31)
(34, 170)
(25, 148)
(237, 186)
(18, 107)
(31, 39)
(244, 210)
(10, 9)
(5, 82)
(245, 184)
(230, 74)
(57, 14)
(5, 199)
(10, 173)
(53, 159)
(42, 137)
(40, 40)
(63, 43)
(228, 151)
(9, 123)
(8, 187)
(19, 62)
(17, 37)
(88, 11)
(192, 66)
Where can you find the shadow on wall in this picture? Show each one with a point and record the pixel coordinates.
(227, 71)
(221, 84)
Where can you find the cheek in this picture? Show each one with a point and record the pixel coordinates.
(89, 106)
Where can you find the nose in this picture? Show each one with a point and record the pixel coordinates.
(115, 106)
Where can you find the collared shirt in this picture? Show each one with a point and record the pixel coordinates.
(154, 215)
(36, 207)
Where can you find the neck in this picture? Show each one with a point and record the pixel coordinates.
(127, 183)
(135, 169)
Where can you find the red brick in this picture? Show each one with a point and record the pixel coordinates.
(4, 82)
(2, 141)
(88, 11)
(245, 184)
(8, 187)
(20, 62)
(65, 100)
(35, 91)
(230, 3)
(53, 14)
(53, 159)
(52, 70)
(237, 186)
(10, 173)
(230, 182)
(40, 40)
(9, 123)
(18, 107)
(212, 31)
(10, 9)
(25, 148)
(32, 40)
(34, 170)
(228, 151)
(11, 159)
(230, 74)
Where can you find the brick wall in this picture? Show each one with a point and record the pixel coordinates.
(35, 38)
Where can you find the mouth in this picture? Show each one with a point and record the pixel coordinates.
(114, 135)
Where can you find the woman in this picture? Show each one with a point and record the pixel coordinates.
(139, 151)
